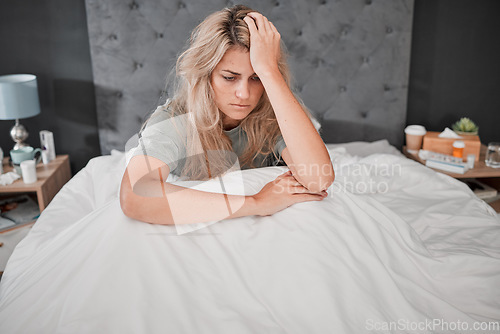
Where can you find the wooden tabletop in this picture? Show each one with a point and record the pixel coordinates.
(50, 179)
(480, 169)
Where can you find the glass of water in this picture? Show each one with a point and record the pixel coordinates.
(493, 155)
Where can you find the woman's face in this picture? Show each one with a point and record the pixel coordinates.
(236, 86)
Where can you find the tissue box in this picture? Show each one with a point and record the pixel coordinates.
(445, 145)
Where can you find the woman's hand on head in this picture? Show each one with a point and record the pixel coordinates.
(281, 193)
(264, 44)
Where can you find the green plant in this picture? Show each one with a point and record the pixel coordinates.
(465, 125)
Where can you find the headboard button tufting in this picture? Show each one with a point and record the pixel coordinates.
(347, 57)
(134, 6)
(346, 30)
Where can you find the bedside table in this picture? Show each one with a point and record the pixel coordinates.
(488, 175)
(51, 178)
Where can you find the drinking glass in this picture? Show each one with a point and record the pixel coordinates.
(493, 155)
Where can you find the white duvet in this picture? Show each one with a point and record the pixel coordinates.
(394, 248)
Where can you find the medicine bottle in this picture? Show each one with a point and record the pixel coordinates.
(458, 148)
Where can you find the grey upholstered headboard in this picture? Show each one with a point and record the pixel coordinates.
(350, 59)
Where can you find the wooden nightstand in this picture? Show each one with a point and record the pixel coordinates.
(51, 178)
(488, 175)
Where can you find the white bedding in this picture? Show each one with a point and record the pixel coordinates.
(410, 251)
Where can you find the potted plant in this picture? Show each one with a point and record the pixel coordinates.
(465, 126)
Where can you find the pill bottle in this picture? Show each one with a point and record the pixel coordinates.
(471, 158)
(458, 148)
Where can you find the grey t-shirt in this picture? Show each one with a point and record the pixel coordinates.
(164, 138)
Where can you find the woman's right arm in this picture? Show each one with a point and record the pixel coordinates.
(145, 196)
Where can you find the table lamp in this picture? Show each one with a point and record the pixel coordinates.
(18, 99)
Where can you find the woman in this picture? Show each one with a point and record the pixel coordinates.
(233, 96)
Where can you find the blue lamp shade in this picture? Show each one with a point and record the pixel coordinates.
(18, 96)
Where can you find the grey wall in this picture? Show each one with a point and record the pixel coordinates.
(455, 65)
(50, 39)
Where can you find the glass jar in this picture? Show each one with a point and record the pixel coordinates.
(493, 155)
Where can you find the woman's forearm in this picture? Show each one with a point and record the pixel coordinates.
(305, 155)
(310, 159)
(165, 203)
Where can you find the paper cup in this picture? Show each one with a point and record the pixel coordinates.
(28, 168)
(414, 137)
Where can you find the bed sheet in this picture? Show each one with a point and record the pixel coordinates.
(395, 247)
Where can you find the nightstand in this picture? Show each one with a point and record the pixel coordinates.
(488, 175)
(51, 178)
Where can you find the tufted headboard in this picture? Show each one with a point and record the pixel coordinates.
(350, 60)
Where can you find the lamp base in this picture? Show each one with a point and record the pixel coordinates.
(19, 135)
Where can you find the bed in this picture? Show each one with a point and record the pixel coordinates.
(394, 248)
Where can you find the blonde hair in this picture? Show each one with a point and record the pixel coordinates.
(194, 96)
